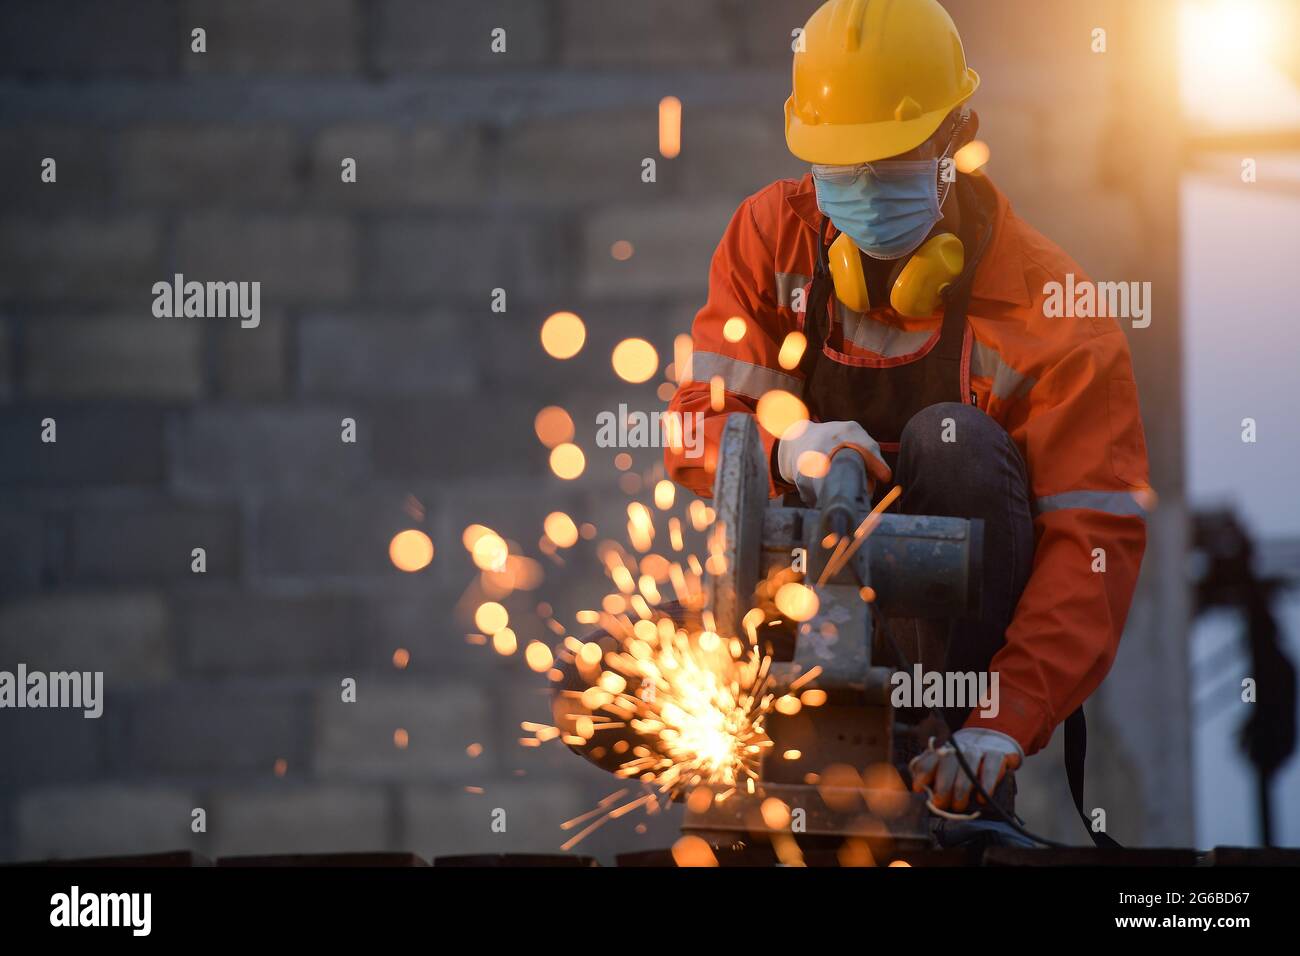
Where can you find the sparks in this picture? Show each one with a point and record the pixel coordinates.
(682, 708)
(697, 704)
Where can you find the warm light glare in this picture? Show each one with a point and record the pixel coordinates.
(1230, 74)
(490, 552)
(683, 349)
(717, 393)
(971, 156)
(472, 533)
(635, 360)
(491, 617)
(563, 335)
(568, 461)
(561, 529)
(640, 526)
(776, 815)
(813, 464)
(797, 601)
(410, 550)
(1147, 499)
(792, 349)
(553, 426)
(788, 705)
(504, 642)
(539, 657)
(665, 494)
(670, 127)
(778, 410)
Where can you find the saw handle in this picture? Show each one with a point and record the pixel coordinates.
(840, 505)
(844, 495)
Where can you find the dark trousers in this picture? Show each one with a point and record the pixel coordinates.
(978, 474)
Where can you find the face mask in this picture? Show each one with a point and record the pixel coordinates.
(886, 208)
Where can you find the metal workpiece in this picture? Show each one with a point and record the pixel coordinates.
(891, 816)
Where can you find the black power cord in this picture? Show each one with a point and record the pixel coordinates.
(1010, 819)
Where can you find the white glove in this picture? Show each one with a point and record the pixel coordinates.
(804, 454)
(990, 754)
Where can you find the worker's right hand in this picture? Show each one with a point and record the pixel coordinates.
(804, 453)
(990, 755)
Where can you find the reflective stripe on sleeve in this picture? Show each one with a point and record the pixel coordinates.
(786, 283)
(1111, 502)
(742, 378)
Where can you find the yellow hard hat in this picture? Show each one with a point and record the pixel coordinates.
(874, 78)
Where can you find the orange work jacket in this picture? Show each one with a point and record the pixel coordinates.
(1062, 387)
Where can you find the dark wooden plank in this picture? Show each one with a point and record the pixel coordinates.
(325, 859)
(1088, 856)
(515, 859)
(1253, 856)
(170, 858)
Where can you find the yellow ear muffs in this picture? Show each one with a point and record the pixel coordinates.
(846, 272)
(916, 284)
(930, 270)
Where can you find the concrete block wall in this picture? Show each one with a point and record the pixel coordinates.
(475, 171)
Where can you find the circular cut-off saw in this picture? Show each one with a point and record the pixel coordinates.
(920, 572)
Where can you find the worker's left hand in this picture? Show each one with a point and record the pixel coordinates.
(990, 754)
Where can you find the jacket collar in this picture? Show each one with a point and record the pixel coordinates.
(1000, 276)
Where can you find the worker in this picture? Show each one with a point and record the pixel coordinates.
(917, 295)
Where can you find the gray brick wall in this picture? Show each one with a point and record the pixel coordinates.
(275, 36)
(126, 634)
(475, 171)
(297, 258)
(412, 37)
(103, 820)
(299, 819)
(187, 166)
(110, 258)
(117, 356)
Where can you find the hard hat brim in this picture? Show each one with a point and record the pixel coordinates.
(841, 145)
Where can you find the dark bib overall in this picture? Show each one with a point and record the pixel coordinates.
(883, 399)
